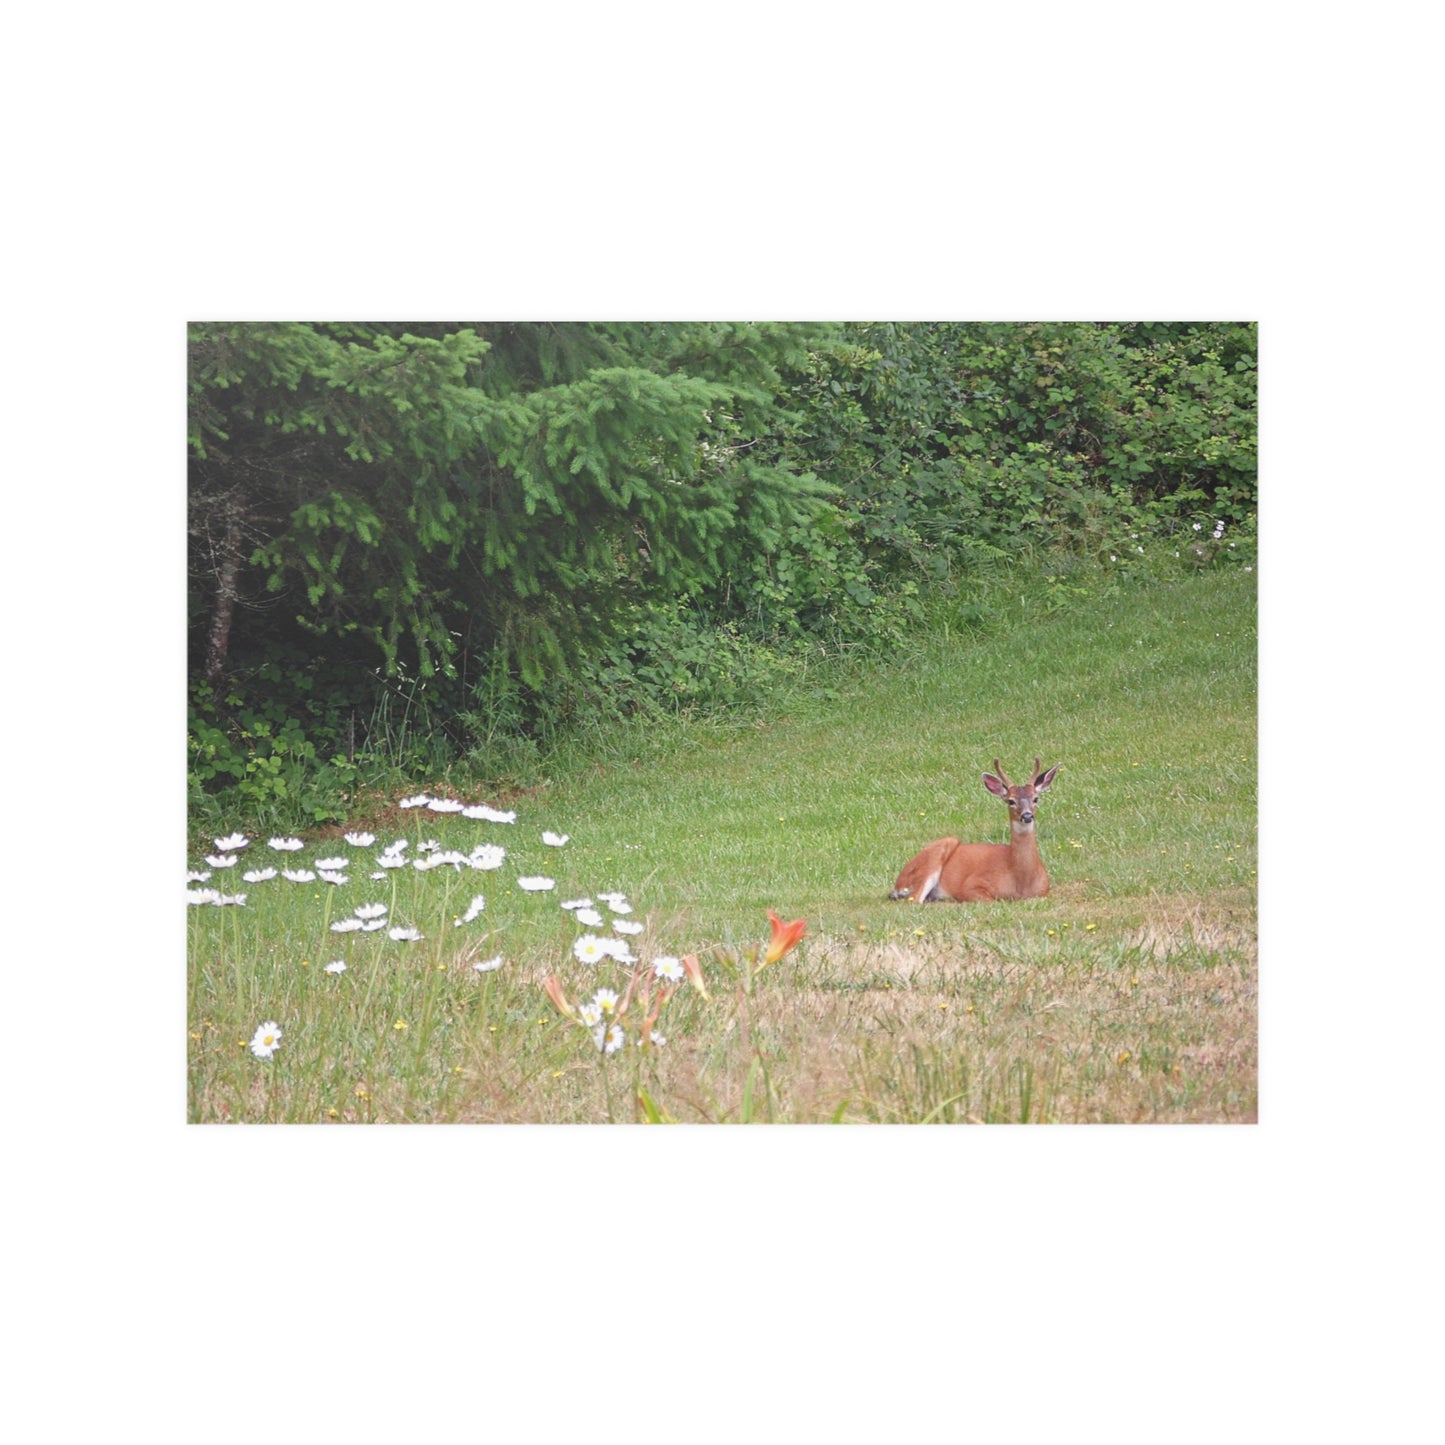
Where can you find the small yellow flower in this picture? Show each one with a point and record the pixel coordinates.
(399, 1026)
(1133, 983)
(333, 1113)
(1124, 1057)
(1090, 927)
(360, 1092)
(1052, 932)
(305, 963)
(968, 1009)
(943, 1005)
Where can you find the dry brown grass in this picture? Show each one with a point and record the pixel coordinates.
(1152, 1022)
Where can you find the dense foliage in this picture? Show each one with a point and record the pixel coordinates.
(437, 542)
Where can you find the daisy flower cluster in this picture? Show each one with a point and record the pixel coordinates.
(649, 986)
(278, 861)
(338, 869)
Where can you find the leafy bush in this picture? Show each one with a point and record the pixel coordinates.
(423, 546)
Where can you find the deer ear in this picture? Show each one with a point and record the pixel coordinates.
(994, 786)
(1044, 779)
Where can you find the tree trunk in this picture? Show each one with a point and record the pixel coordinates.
(228, 578)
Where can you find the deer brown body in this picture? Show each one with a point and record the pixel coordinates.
(948, 871)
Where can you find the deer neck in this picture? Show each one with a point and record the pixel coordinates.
(1024, 849)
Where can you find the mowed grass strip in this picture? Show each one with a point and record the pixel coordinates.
(1129, 994)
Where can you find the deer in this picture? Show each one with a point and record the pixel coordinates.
(948, 871)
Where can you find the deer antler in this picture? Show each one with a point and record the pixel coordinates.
(1002, 776)
(1038, 768)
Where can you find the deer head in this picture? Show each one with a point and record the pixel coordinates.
(1021, 798)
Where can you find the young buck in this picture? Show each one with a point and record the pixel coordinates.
(948, 871)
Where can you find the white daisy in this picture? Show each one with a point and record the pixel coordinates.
(428, 845)
(337, 967)
(474, 908)
(360, 840)
(196, 896)
(536, 885)
(578, 903)
(298, 875)
(618, 949)
(590, 949)
(346, 925)
(487, 855)
(377, 875)
(490, 815)
(621, 925)
(332, 865)
(590, 1014)
(267, 1040)
(331, 876)
(259, 875)
(233, 843)
(420, 801)
(668, 968)
(606, 1000)
(657, 1039)
(226, 900)
(397, 845)
(392, 860)
(488, 965)
(552, 840)
(198, 875)
(405, 935)
(370, 910)
(618, 904)
(588, 916)
(608, 1038)
(285, 845)
(445, 805)
(221, 860)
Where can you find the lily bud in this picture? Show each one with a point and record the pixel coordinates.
(553, 986)
(693, 969)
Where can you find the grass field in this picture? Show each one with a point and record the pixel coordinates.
(1129, 994)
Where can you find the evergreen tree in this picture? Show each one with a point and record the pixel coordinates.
(399, 494)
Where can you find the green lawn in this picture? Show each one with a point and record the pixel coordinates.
(1128, 994)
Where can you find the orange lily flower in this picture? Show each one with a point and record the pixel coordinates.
(785, 937)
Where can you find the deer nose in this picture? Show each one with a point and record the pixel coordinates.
(1027, 815)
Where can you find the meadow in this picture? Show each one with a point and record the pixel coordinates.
(1129, 994)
